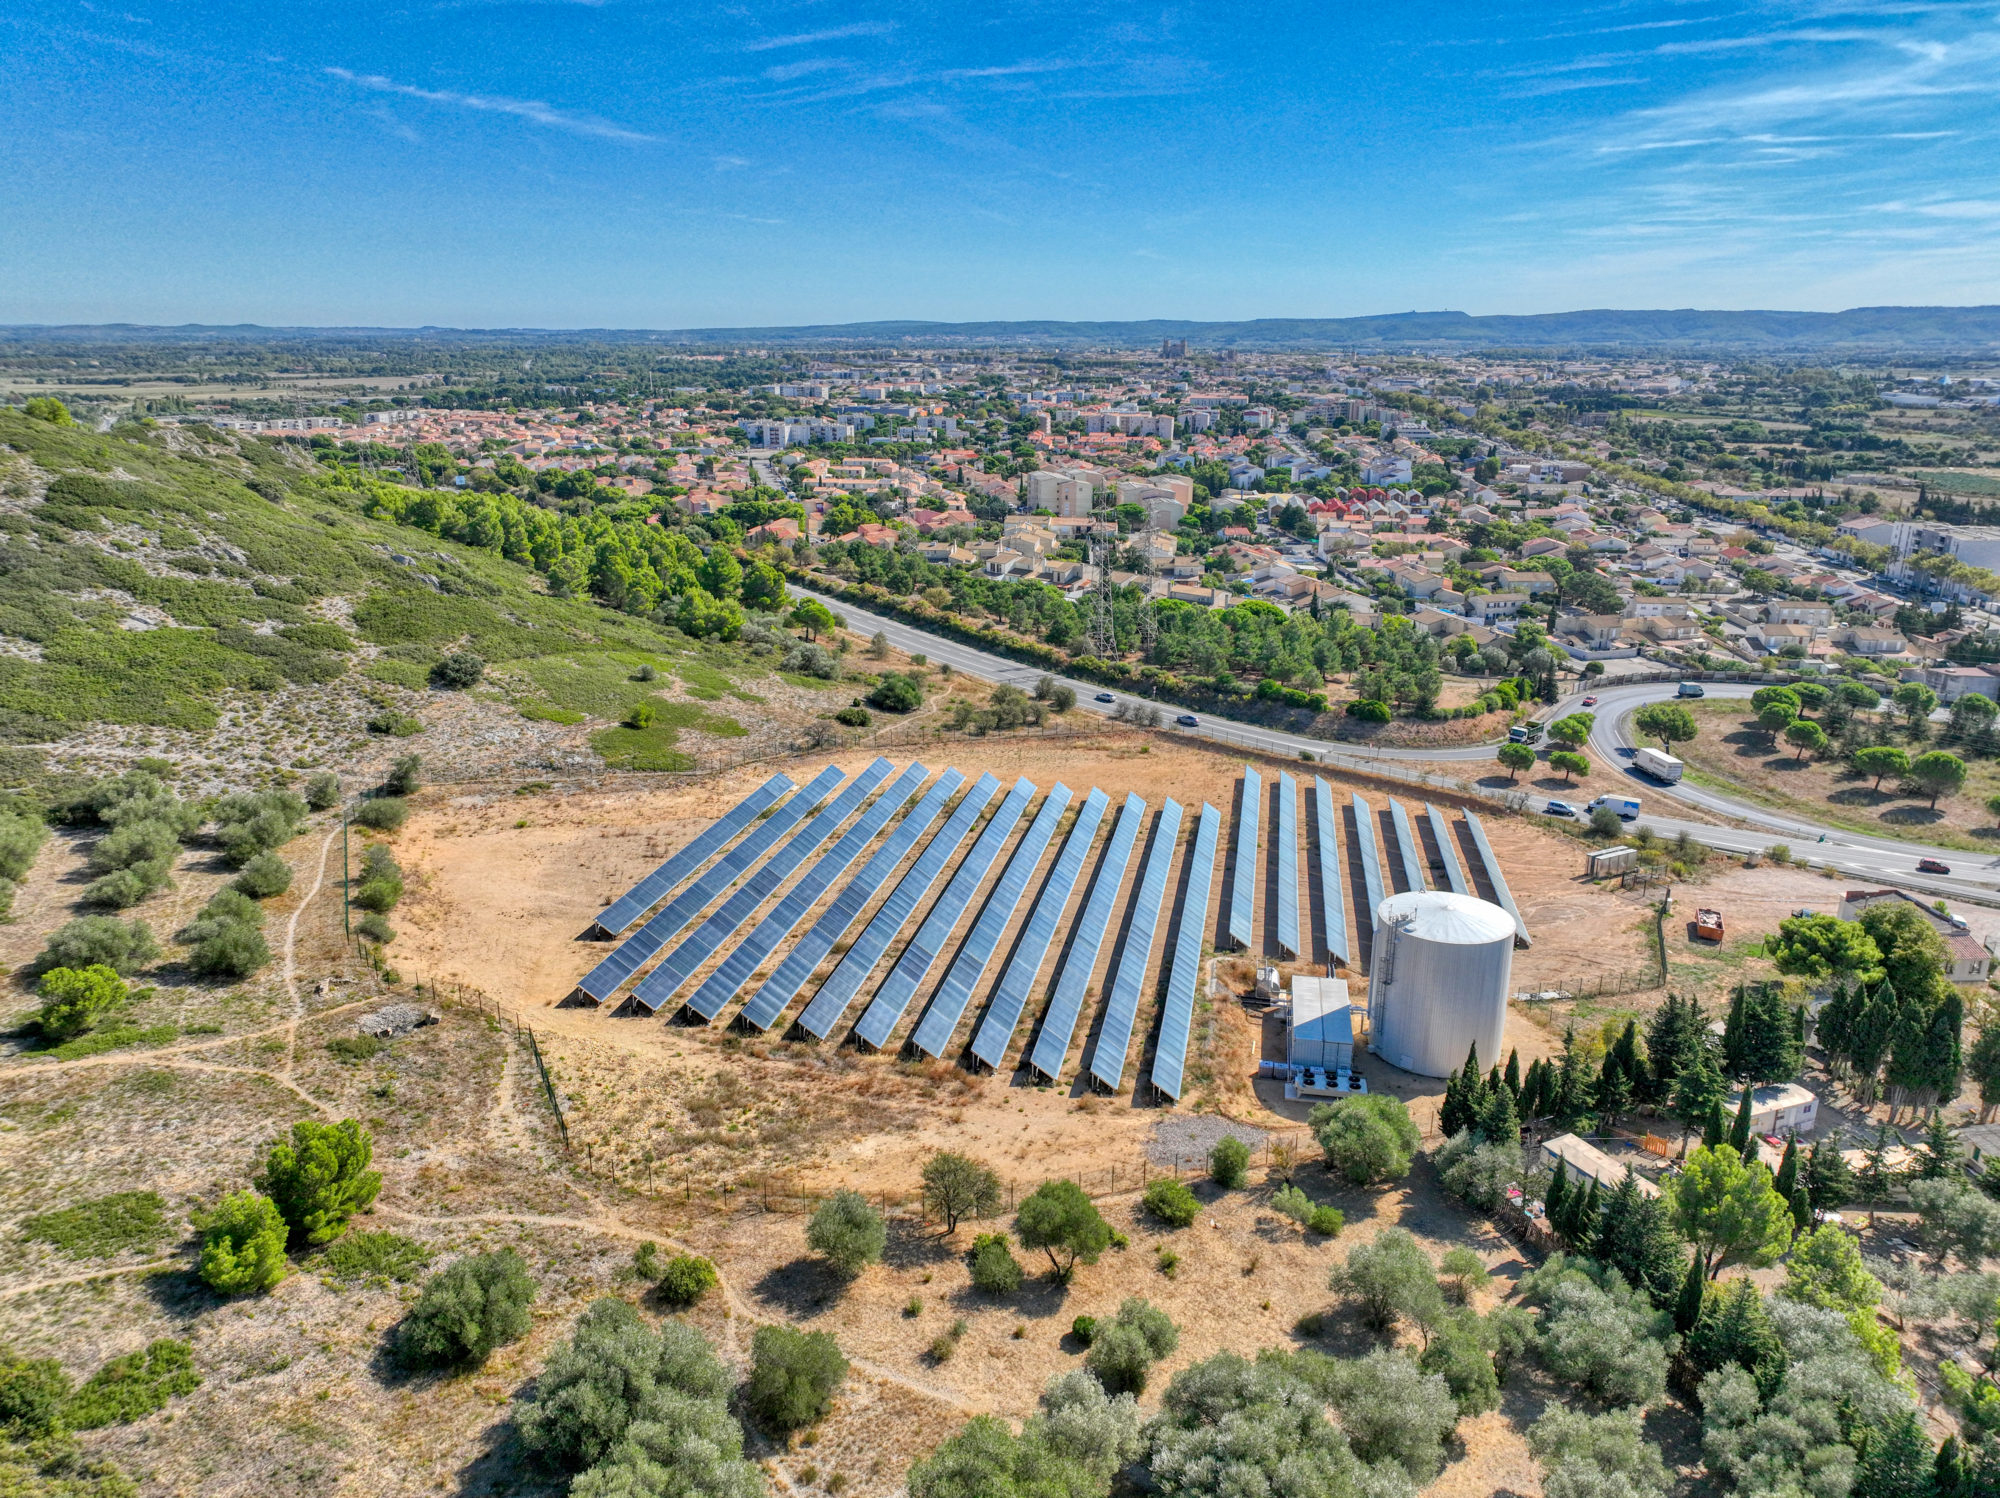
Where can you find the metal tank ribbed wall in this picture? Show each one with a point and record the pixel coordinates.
(1438, 981)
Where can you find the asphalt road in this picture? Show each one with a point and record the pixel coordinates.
(1974, 875)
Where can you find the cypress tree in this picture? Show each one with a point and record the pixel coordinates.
(1585, 1208)
(1451, 1113)
(1513, 1077)
(1630, 1062)
(1498, 1122)
(1896, 1461)
(1557, 1196)
(1950, 1476)
(1835, 1025)
(1829, 1178)
(1788, 1168)
(1802, 1212)
(1739, 1131)
(1732, 1035)
(1873, 1028)
(1716, 1129)
(1687, 1310)
(1613, 1092)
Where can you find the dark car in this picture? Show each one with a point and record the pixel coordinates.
(1106, 697)
(1188, 720)
(1932, 866)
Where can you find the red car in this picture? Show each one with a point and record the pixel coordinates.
(1590, 702)
(1932, 866)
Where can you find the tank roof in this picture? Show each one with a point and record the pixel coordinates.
(1445, 917)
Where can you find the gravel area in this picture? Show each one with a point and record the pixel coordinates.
(1186, 1138)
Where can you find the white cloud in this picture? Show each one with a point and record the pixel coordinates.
(532, 110)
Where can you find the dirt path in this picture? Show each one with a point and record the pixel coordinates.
(84, 1279)
(291, 968)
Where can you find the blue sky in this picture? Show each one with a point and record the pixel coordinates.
(632, 163)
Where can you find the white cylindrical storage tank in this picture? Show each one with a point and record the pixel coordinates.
(1438, 981)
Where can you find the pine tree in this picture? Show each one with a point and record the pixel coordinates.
(1694, 1287)
(1897, 1462)
(1788, 1168)
(1637, 1237)
(1941, 1150)
(1950, 1476)
(1556, 1198)
(1613, 1091)
(1676, 1034)
(1498, 1122)
(1739, 1131)
(1513, 1076)
(1876, 1177)
(1829, 1178)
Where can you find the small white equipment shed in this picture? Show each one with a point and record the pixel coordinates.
(1322, 1025)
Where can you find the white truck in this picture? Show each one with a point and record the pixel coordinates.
(1659, 764)
(1627, 807)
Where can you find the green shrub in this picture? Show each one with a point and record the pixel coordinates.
(355, 1049)
(1125, 1348)
(467, 1309)
(226, 940)
(242, 1245)
(375, 1258)
(128, 1221)
(1327, 1221)
(793, 1377)
(1368, 1139)
(263, 876)
(847, 1232)
(405, 776)
(250, 823)
(854, 717)
(323, 791)
(382, 813)
(1229, 1162)
(641, 715)
(21, 839)
(897, 693)
(685, 1279)
(33, 1392)
(123, 946)
(395, 724)
(319, 1177)
(375, 927)
(457, 671)
(1084, 1329)
(131, 1387)
(1171, 1202)
(994, 1267)
(78, 999)
(112, 1038)
(1366, 710)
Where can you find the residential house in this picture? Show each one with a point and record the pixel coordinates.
(1869, 639)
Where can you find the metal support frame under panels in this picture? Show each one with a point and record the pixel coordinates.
(656, 886)
(1497, 879)
(837, 993)
(1059, 1024)
(1441, 830)
(1010, 995)
(810, 950)
(1407, 845)
(1177, 1014)
(1371, 861)
(1121, 1010)
(1243, 877)
(1288, 866)
(1332, 887)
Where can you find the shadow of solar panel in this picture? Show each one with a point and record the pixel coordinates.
(1407, 847)
(657, 885)
(1288, 865)
(783, 986)
(1494, 877)
(1332, 894)
(1453, 874)
(947, 1006)
(1010, 996)
(673, 971)
(1371, 861)
(602, 981)
(1107, 1058)
(720, 986)
(894, 996)
(1243, 881)
(1177, 1015)
(1059, 1024)
(831, 1002)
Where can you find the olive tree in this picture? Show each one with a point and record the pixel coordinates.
(847, 1232)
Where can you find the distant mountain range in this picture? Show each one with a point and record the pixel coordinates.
(1860, 329)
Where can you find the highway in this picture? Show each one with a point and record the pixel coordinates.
(1974, 875)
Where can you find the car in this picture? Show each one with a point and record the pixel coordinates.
(1590, 701)
(1562, 809)
(1690, 689)
(1932, 866)
(1188, 720)
(1106, 697)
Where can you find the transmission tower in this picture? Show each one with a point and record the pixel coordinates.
(1103, 630)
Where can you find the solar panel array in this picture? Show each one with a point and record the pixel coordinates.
(1371, 862)
(1494, 877)
(674, 970)
(657, 885)
(1177, 1015)
(1332, 899)
(933, 1032)
(1408, 847)
(1010, 995)
(1059, 1024)
(602, 981)
(783, 986)
(1454, 875)
(1288, 865)
(1107, 1058)
(1243, 882)
(894, 996)
(831, 1002)
(734, 971)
